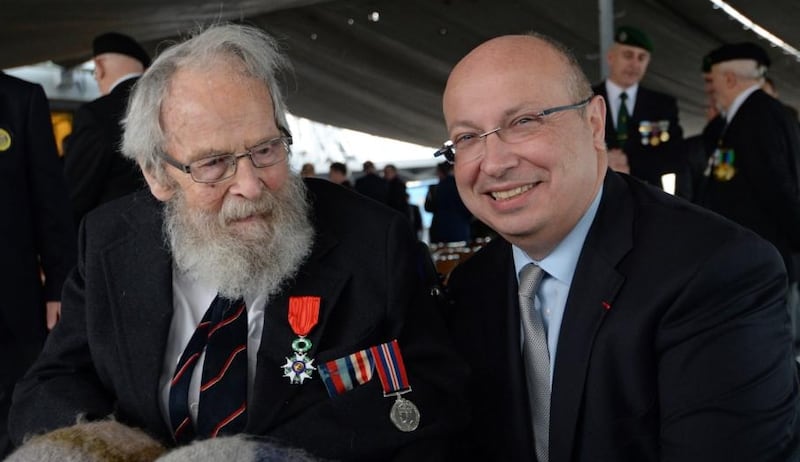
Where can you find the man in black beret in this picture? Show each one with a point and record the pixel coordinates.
(643, 135)
(752, 176)
(94, 168)
(699, 147)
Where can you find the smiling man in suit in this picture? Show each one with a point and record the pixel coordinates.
(233, 297)
(643, 135)
(610, 321)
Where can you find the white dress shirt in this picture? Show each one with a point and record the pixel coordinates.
(613, 91)
(190, 302)
(559, 267)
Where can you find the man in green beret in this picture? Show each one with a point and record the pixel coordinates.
(643, 135)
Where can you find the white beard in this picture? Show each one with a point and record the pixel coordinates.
(242, 263)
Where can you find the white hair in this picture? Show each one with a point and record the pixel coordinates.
(747, 69)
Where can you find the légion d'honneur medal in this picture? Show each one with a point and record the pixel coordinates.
(392, 372)
(303, 316)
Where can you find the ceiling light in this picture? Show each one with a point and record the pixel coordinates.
(747, 23)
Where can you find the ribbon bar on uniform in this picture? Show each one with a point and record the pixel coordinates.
(344, 374)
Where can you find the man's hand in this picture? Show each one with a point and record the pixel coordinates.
(618, 161)
(53, 313)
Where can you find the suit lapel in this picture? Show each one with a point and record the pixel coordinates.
(271, 389)
(142, 311)
(500, 351)
(592, 293)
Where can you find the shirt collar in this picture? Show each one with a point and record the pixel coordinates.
(563, 260)
(613, 91)
(122, 79)
(739, 100)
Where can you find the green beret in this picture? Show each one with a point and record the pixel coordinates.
(634, 37)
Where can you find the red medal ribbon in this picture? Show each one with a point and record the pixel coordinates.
(303, 314)
(390, 367)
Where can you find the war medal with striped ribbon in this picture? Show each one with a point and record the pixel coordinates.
(392, 372)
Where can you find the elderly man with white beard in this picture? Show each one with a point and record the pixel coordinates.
(232, 297)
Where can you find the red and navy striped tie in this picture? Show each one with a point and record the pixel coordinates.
(222, 333)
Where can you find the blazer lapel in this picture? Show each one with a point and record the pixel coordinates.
(143, 308)
(501, 351)
(272, 389)
(594, 287)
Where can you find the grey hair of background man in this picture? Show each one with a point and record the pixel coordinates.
(746, 69)
(578, 84)
(259, 54)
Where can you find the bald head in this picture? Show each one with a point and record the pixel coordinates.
(538, 55)
(528, 140)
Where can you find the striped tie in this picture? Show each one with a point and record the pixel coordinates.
(222, 333)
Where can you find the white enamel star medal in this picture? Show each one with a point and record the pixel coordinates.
(303, 316)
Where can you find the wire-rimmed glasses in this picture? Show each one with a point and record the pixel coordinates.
(468, 146)
(217, 168)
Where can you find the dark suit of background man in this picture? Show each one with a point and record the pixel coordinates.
(395, 189)
(37, 237)
(451, 220)
(752, 177)
(324, 272)
(650, 143)
(665, 324)
(95, 169)
(371, 184)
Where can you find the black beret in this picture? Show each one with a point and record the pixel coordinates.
(634, 37)
(731, 51)
(113, 42)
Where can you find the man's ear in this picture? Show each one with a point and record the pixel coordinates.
(159, 190)
(731, 79)
(596, 114)
(99, 69)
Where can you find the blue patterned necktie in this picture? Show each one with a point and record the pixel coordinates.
(222, 334)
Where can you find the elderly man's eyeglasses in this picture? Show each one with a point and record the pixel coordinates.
(221, 167)
(467, 146)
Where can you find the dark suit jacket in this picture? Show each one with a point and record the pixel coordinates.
(396, 194)
(674, 346)
(36, 232)
(763, 194)
(451, 219)
(373, 186)
(648, 162)
(106, 354)
(95, 169)
(698, 149)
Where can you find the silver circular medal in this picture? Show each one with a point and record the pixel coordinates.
(404, 415)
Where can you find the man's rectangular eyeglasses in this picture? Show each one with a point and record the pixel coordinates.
(221, 167)
(520, 129)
